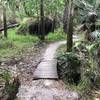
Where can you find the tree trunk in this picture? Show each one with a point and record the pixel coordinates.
(65, 17)
(42, 26)
(70, 26)
(5, 22)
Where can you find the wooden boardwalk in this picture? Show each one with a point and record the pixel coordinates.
(47, 69)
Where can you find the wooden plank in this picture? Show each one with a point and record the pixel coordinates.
(47, 69)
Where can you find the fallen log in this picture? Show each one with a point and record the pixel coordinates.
(9, 26)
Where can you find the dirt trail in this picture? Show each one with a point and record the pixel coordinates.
(47, 89)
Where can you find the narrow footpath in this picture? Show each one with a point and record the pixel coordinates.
(47, 86)
(48, 66)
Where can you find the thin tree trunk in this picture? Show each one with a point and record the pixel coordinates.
(5, 22)
(65, 17)
(70, 26)
(42, 26)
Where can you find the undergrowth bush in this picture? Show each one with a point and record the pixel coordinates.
(23, 28)
(5, 43)
(90, 61)
(84, 60)
(11, 86)
(56, 36)
(14, 44)
(69, 68)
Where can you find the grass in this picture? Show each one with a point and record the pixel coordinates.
(21, 38)
(15, 44)
(57, 36)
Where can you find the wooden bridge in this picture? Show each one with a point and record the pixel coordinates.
(47, 69)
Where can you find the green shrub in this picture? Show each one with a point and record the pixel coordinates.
(6, 75)
(23, 29)
(56, 36)
(5, 43)
(89, 54)
(11, 85)
(69, 67)
(15, 43)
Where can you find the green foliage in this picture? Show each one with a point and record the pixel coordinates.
(69, 67)
(5, 44)
(84, 7)
(84, 85)
(15, 44)
(68, 57)
(90, 78)
(94, 50)
(21, 39)
(95, 34)
(56, 36)
(80, 49)
(89, 60)
(23, 29)
(6, 76)
(10, 88)
(54, 7)
(98, 22)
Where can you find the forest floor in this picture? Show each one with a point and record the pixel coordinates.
(24, 65)
(44, 89)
